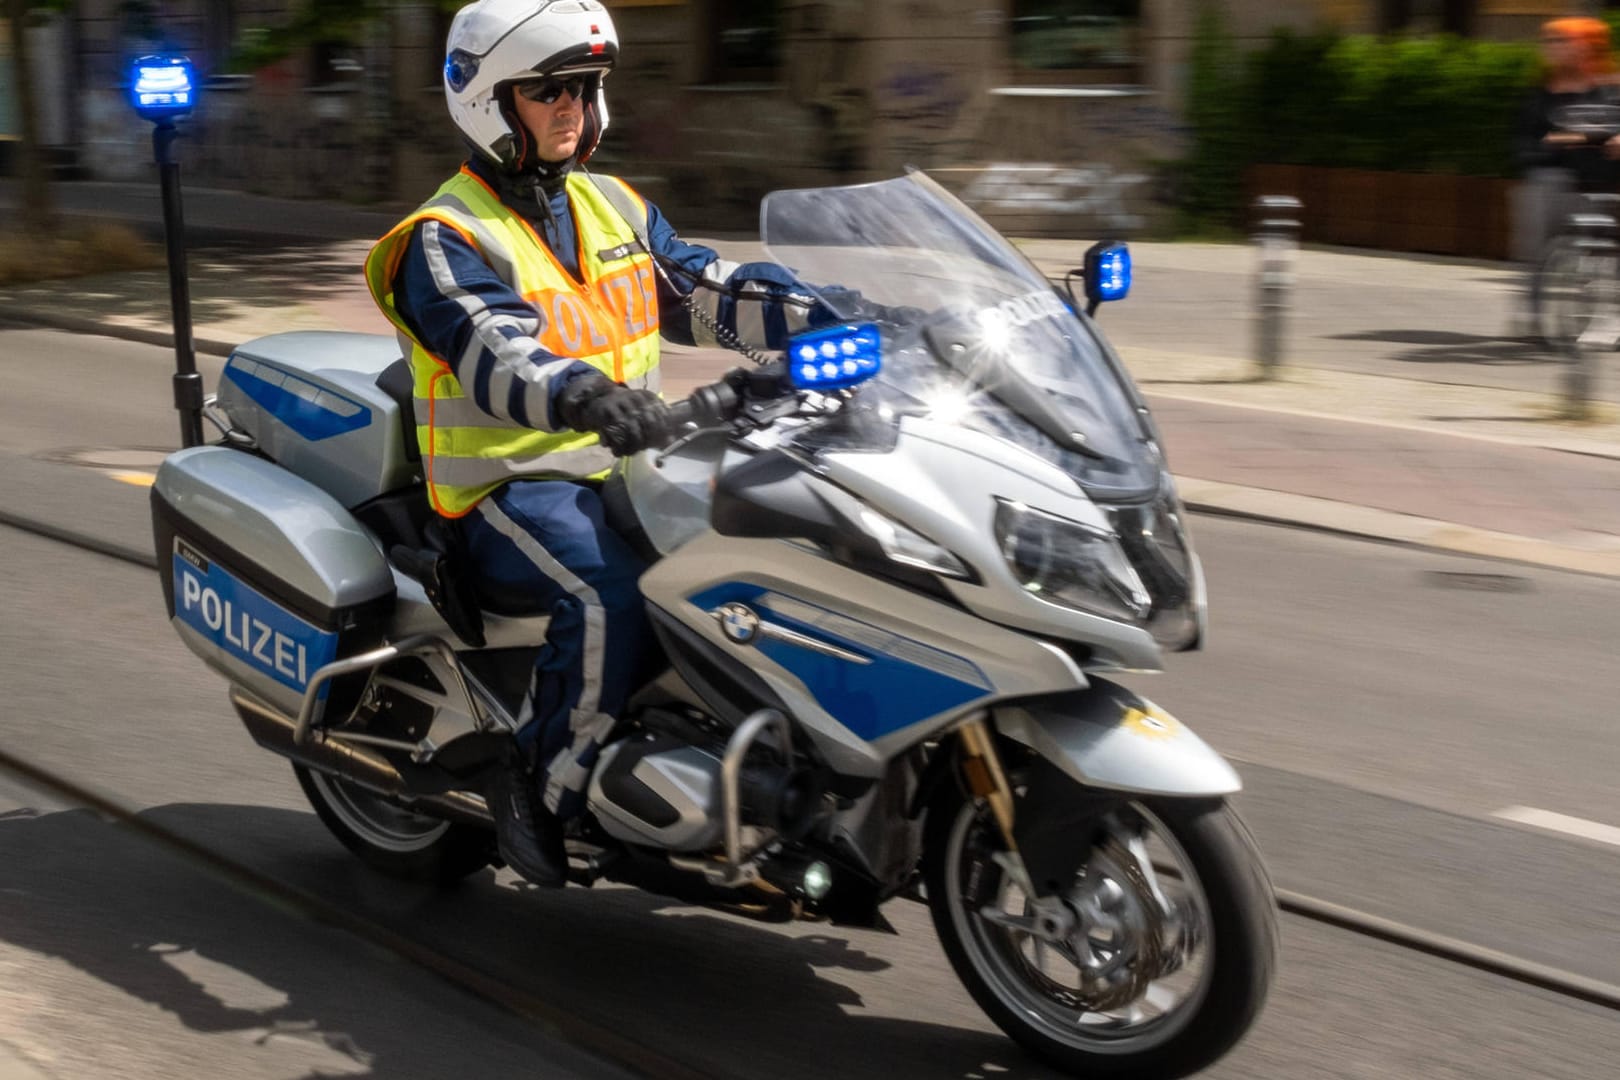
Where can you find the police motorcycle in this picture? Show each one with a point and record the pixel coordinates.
(893, 568)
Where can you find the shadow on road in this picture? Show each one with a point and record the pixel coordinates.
(1245, 380)
(1526, 418)
(1451, 347)
(745, 999)
(138, 919)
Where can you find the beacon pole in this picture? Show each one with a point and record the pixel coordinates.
(162, 90)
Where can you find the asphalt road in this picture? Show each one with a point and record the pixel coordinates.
(1379, 716)
(118, 958)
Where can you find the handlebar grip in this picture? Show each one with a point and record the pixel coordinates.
(680, 413)
(708, 406)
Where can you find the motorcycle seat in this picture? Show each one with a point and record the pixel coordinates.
(397, 382)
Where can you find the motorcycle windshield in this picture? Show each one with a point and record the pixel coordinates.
(972, 331)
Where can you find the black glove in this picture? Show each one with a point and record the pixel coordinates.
(627, 420)
(862, 310)
(899, 315)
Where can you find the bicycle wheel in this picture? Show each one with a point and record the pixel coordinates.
(1564, 294)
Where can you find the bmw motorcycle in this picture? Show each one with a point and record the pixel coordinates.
(891, 570)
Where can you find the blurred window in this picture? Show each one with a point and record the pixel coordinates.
(745, 40)
(1427, 16)
(333, 63)
(1077, 35)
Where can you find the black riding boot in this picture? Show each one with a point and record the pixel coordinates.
(529, 836)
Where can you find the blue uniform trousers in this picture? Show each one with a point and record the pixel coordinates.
(545, 543)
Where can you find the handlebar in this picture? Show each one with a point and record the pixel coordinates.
(708, 406)
(762, 392)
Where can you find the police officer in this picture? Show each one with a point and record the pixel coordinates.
(526, 292)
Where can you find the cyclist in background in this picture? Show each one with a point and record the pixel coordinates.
(1560, 165)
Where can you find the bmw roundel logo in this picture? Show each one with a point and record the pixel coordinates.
(739, 622)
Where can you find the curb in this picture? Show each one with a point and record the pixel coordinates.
(1592, 450)
(77, 325)
(1200, 496)
(1219, 499)
(214, 234)
(1152, 385)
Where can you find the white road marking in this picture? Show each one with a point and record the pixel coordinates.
(1574, 826)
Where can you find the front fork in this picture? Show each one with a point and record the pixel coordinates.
(986, 779)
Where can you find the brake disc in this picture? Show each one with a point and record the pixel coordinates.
(1134, 963)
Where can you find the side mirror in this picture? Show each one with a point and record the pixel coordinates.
(1106, 274)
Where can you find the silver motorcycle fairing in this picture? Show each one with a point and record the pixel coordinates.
(867, 668)
(672, 491)
(943, 481)
(1108, 738)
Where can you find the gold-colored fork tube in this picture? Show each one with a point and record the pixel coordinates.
(986, 777)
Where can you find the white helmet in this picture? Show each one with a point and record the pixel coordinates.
(494, 43)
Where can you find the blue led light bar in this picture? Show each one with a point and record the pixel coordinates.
(1108, 272)
(835, 358)
(162, 87)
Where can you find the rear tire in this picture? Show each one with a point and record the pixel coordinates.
(394, 841)
(1240, 945)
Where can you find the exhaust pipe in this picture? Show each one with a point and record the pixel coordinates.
(357, 764)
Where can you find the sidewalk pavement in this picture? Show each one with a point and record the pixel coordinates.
(1455, 447)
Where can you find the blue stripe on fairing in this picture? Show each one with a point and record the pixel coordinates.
(872, 700)
(314, 412)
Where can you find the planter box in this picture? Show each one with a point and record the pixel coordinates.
(1423, 212)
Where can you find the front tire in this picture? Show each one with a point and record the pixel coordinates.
(392, 840)
(1218, 914)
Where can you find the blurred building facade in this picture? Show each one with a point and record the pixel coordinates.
(1047, 115)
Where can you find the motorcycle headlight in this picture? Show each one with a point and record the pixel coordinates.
(1065, 562)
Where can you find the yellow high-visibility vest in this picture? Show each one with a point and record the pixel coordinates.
(609, 320)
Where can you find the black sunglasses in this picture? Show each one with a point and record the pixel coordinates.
(546, 91)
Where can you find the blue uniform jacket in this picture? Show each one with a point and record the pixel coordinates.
(461, 310)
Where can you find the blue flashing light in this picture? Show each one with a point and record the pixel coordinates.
(835, 358)
(1107, 272)
(1112, 277)
(162, 87)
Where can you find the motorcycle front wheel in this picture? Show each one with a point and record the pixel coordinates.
(392, 840)
(1151, 962)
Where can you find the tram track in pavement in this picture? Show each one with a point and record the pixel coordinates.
(611, 1045)
(595, 1039)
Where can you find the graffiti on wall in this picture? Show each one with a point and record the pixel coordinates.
(930, 98)
(924, 113)
(1097, 191)
(1138, 120)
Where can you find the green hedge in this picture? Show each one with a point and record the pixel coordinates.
(1411, 104)
(1417, 104)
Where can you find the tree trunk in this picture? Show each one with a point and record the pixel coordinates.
(38, 208)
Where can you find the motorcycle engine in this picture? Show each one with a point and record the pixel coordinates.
(657, 790)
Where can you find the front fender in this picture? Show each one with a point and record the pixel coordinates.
(1108, 738)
